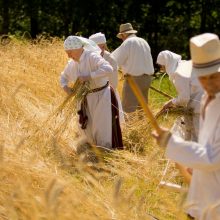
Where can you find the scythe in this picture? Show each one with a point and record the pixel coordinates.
(153, 121)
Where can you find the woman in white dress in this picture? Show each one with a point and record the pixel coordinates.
(189, 90)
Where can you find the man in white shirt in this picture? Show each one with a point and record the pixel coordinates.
(134, 58)
(96, 115)
(203, 200)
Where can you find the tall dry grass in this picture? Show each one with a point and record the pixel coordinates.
(41, 175)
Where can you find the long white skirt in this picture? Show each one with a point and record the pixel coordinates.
(99, 127)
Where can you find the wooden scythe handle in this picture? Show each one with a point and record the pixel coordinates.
(153, 121)
(143, 103)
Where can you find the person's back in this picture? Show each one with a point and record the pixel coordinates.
(133, 56)
(189, 90)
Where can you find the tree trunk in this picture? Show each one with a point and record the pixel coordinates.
(5, 16)
(203, 16)
(33, 7)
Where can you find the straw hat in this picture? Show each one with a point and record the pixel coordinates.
(205, 54)
(126, 29)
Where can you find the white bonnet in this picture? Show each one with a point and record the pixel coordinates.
(76, 42)
(72, 43)
(98, 38)
(170, 60)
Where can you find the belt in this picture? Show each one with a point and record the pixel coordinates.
(98, 89)
(128, 74)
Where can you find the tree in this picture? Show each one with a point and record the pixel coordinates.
(5, 16)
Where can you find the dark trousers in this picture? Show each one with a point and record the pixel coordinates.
(129, 100)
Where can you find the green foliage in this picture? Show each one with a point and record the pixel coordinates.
(163, 84)
(166, 24)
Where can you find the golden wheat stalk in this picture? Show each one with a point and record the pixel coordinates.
(79, 90)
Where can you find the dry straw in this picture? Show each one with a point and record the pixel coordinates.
(41, 175)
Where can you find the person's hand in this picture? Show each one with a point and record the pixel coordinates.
(68, 90)
(84, 78)
(162, 137)
(190, 170)
(168, 105)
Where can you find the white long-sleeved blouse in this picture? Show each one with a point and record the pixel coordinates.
(90, 63)
(204, 158)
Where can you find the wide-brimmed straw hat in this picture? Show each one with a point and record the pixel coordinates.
(126, 29)
(205, 54)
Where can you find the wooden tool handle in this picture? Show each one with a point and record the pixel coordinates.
(143, 103)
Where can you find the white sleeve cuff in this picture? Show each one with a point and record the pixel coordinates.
(173, 101)
(93, 75)
(172, 146)
(63, 81)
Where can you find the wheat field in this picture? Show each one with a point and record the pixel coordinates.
(43, 176)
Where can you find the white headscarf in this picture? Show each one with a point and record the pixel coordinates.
(170, 60)
(76, 42)
(98, 38)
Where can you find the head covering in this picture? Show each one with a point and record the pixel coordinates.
(72, 43)
(170, 60)
(205, 54)
(98, 38)
(76, 42)
(126, 29)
